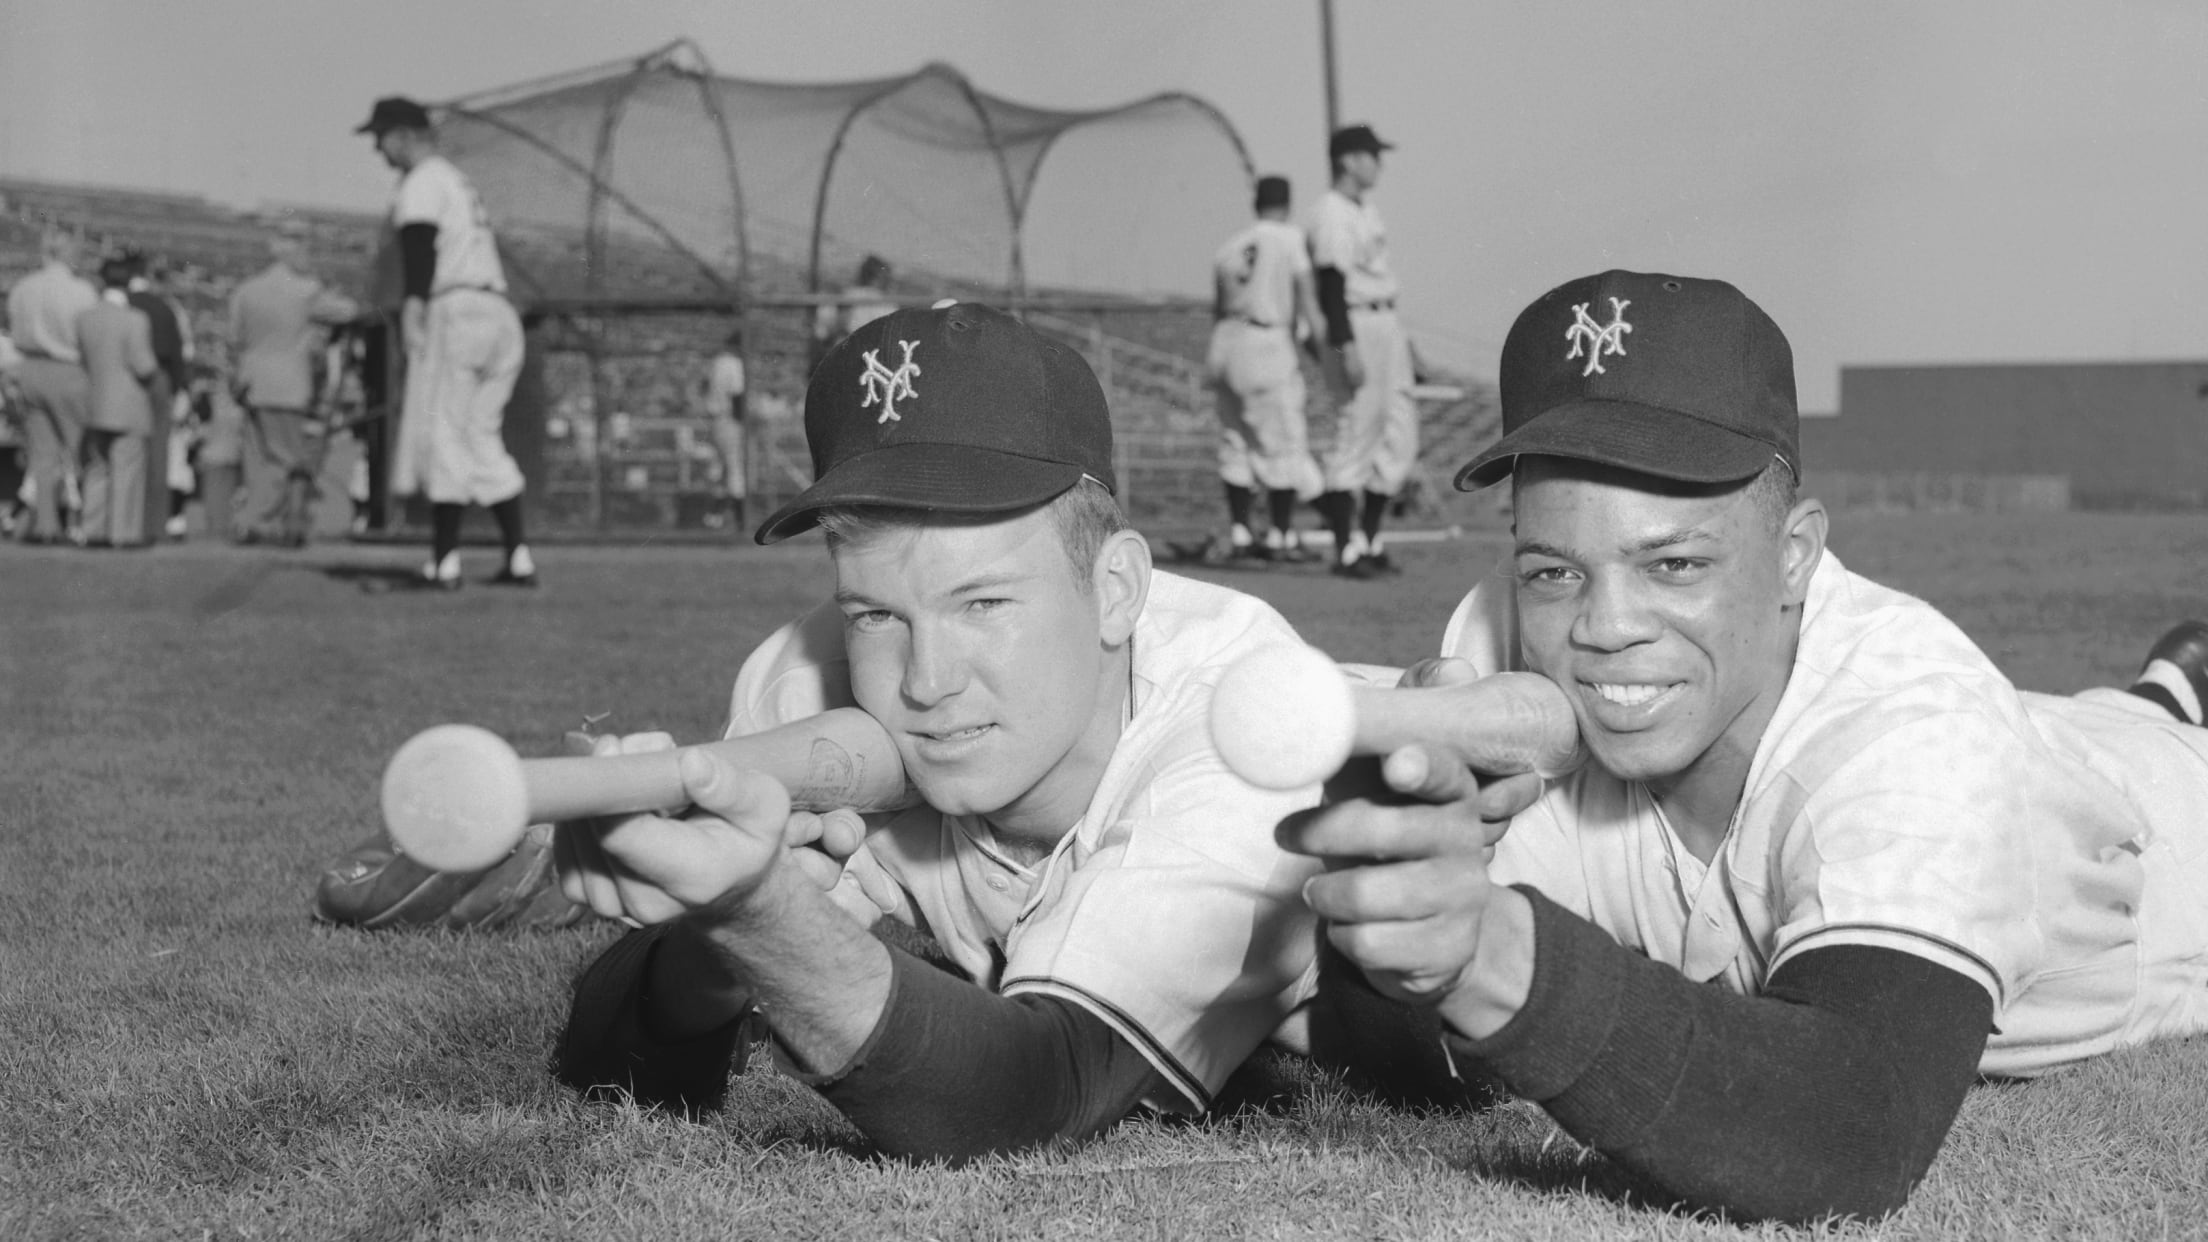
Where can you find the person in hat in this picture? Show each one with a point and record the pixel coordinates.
(278, 319)
(1367, 358)
(1826, 866)
(463, 345)
(1122, 928)
(1262, 304)
(724, 413)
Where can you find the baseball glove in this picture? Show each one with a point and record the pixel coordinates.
(374, 886)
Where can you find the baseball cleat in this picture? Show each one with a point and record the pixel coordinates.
(520, 570)
(2185, 648)
(442, 575)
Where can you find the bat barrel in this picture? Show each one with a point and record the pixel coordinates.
(1501, 724)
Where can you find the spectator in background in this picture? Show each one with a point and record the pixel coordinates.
(42, 319)
(172, 352)
(277, 322)
(863, 301)
(119, 364)
(724, 409)
(12, 475)
(218, 462)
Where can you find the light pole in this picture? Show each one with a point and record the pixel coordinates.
(1326, 58)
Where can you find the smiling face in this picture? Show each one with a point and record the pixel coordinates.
(1001, 676)
(1668, 616)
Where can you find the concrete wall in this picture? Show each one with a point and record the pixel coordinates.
(2127, 435)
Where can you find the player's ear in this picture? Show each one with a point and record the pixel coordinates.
(1804, 536)
(1121, 583)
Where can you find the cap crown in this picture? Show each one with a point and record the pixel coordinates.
(1668, 375)
(960, 409)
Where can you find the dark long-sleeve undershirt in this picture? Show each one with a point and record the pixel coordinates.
(1828, 1094)
(950, 1071)
(1334, 304)
(417, 258)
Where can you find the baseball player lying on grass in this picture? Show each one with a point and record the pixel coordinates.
(1827, 865)
(1125, 929)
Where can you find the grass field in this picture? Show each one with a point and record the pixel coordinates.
(190, 733)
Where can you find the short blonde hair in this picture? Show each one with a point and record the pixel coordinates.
(1085, 515)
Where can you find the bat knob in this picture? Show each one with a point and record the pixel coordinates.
(454, 798)
(1283, 718)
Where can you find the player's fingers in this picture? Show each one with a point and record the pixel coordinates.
(753, 801)
(1394, 892)
(1362, 829)
(841, 832)
(1505, 796)
(599, 891)
(1439, 671)
(804, 828)
(647, 742)
(1416, 772)
(566, 868)
(1417, 961)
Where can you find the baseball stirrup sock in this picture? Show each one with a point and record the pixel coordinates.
(2166, 685)
(444, 530)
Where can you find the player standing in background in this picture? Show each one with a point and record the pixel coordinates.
(1369, 358)
(724, 412)
(463, 349)
(1826, 865)
(1263, 303)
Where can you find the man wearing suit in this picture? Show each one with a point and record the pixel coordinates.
(172, 354)
(42, 318)
(276, 319)
(118, 361)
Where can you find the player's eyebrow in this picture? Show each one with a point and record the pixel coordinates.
(968, 586)
(1652, 543)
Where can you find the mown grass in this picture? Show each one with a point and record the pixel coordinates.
(189, 734)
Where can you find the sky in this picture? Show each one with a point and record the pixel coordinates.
(1893, 180)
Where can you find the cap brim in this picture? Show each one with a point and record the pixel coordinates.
(1645, 439)
(945, 478)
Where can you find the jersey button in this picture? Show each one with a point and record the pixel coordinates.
(999, 883)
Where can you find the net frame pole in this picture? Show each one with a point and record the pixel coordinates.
(594, 263)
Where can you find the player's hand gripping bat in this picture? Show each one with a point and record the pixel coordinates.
(457, 798)
(1286, 717)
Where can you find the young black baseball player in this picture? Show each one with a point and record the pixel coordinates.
(1827, 864)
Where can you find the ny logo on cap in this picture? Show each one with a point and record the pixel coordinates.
(886, 386)
(1591, 340)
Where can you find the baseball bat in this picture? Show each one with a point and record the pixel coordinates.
(1287, 716)
(458, 798)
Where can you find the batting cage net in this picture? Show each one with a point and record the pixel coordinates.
(647, 207)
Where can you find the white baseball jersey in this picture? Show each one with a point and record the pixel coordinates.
(1257, 270)
(1348, 235)
(1907, 796)
(1168, 912)
(434, 192)
(723, 384)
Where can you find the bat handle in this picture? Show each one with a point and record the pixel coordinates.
(577, 787)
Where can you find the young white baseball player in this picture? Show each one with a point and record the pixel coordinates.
(1263, 303)
(1369, 358)
(463, 349)
(1124, 928)
(1827, 864)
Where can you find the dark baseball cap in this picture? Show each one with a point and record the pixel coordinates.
(394, 112)
(955, 409)
(1355, 138)
(1664, 375)
(1272, 191)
